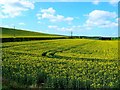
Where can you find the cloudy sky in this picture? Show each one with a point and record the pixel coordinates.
(90, 18)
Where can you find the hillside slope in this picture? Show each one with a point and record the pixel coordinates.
(10, 33)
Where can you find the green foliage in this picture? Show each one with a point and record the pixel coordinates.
(67, 63)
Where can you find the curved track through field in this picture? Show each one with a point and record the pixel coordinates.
(52, 54)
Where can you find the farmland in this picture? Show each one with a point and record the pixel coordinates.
(17, 35)
(66, 63)
(11, 33)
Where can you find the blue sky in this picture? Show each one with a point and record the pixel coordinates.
(82, 18)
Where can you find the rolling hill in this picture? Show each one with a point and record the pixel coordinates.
(11, 33)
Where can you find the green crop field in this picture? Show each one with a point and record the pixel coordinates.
(67, 63)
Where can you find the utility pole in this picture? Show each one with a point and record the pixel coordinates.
(71, 34)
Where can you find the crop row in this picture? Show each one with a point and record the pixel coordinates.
(25, 66)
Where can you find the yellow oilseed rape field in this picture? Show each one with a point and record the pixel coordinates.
(66, 63)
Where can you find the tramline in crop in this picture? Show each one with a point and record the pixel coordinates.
(69, 63)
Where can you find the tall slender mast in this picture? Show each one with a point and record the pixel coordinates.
(71, 33)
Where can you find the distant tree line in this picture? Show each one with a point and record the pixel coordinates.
(50, 38)
(96, 38)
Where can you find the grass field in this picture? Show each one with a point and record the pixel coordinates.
(67, 63)
(11, 33)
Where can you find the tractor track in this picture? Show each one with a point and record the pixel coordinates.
(51, 54)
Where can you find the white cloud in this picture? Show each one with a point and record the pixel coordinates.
(115, 34)
(49, 10)
(39, 22)
(100, 18)
(67, 0)
(22, 24)
(118, 20)
(60, 28)
(96, 2)
(52, 27)
(68, 28)
(113, 2)
(51, 15)
(4, 25)
(7, 26)
(12, 8)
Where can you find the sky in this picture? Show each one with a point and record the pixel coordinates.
(83, 18)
